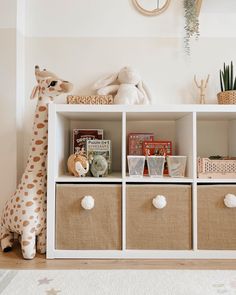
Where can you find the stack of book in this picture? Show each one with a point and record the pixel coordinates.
(91, 142)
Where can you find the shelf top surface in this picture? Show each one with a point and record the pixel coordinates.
(144, 112)
(216, 180)
(144, 108)
(116, 177)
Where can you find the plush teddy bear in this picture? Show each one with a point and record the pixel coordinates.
(128, 87)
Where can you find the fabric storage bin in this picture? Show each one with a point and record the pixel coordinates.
(216, 222)
(97, 228)
(149, 228)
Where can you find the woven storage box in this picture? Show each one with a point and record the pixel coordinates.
(216, 222)
(149, 228)
(216, 168)
(95, 229)
(227, 97)
(90, 99)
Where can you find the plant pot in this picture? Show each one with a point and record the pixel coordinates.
(227, 97)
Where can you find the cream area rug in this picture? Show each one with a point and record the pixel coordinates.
(117, 282)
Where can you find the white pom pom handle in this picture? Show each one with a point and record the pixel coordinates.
(88, 202)
(230, 201)
(159, 202)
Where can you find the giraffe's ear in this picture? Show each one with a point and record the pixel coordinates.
(35, 92)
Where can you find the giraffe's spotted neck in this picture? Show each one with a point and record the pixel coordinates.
(38, 147)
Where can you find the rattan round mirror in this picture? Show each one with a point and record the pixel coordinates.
(151, 7)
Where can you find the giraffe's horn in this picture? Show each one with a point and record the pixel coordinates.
(36, 69)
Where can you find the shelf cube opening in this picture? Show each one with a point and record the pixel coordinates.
(216, 134)
(111, 123)
(176, 127)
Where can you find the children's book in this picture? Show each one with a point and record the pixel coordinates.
(136, 140)
(100, 147)
(80, 137)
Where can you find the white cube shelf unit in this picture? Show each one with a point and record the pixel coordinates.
(124, 223)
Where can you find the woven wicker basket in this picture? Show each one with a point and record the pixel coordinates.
(208, 168)
(227, 97)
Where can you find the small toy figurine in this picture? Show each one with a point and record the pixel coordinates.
(202, 88)
(78, 164)
(99, 166)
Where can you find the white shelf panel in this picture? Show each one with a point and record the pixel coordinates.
(142, 254)
(207, 108)
(114, 177)
(219, 116)
(165, 179)
(221, 180)
(185, 125)
(155, 116)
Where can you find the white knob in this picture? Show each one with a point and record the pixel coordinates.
(159, 202)
(87, 202)
(230, 201)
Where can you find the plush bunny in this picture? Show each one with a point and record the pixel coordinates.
(128, 87)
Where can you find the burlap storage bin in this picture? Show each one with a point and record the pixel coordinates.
(216, 222)
(227, 97)
(95, 229)
(150, 228)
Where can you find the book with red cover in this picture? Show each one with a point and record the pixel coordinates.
(135, 141)
(157, 148)
(80, 137)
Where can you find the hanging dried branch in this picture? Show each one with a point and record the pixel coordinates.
(191, 23)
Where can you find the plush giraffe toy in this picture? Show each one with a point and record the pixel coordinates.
(25, 212)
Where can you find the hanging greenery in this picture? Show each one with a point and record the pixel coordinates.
(191, 23)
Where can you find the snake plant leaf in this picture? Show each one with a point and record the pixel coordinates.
(221, 81)
(227, 79)
(231, 76)
(228, 74)
(234, 88)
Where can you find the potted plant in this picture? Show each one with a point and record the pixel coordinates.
(228, 85)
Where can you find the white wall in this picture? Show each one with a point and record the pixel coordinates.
(112, 18)
(8, 14)
(7, 99)
(82, 40)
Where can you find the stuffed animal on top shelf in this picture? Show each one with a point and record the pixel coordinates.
(127, 85)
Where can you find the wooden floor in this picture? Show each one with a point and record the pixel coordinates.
(14, 260)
